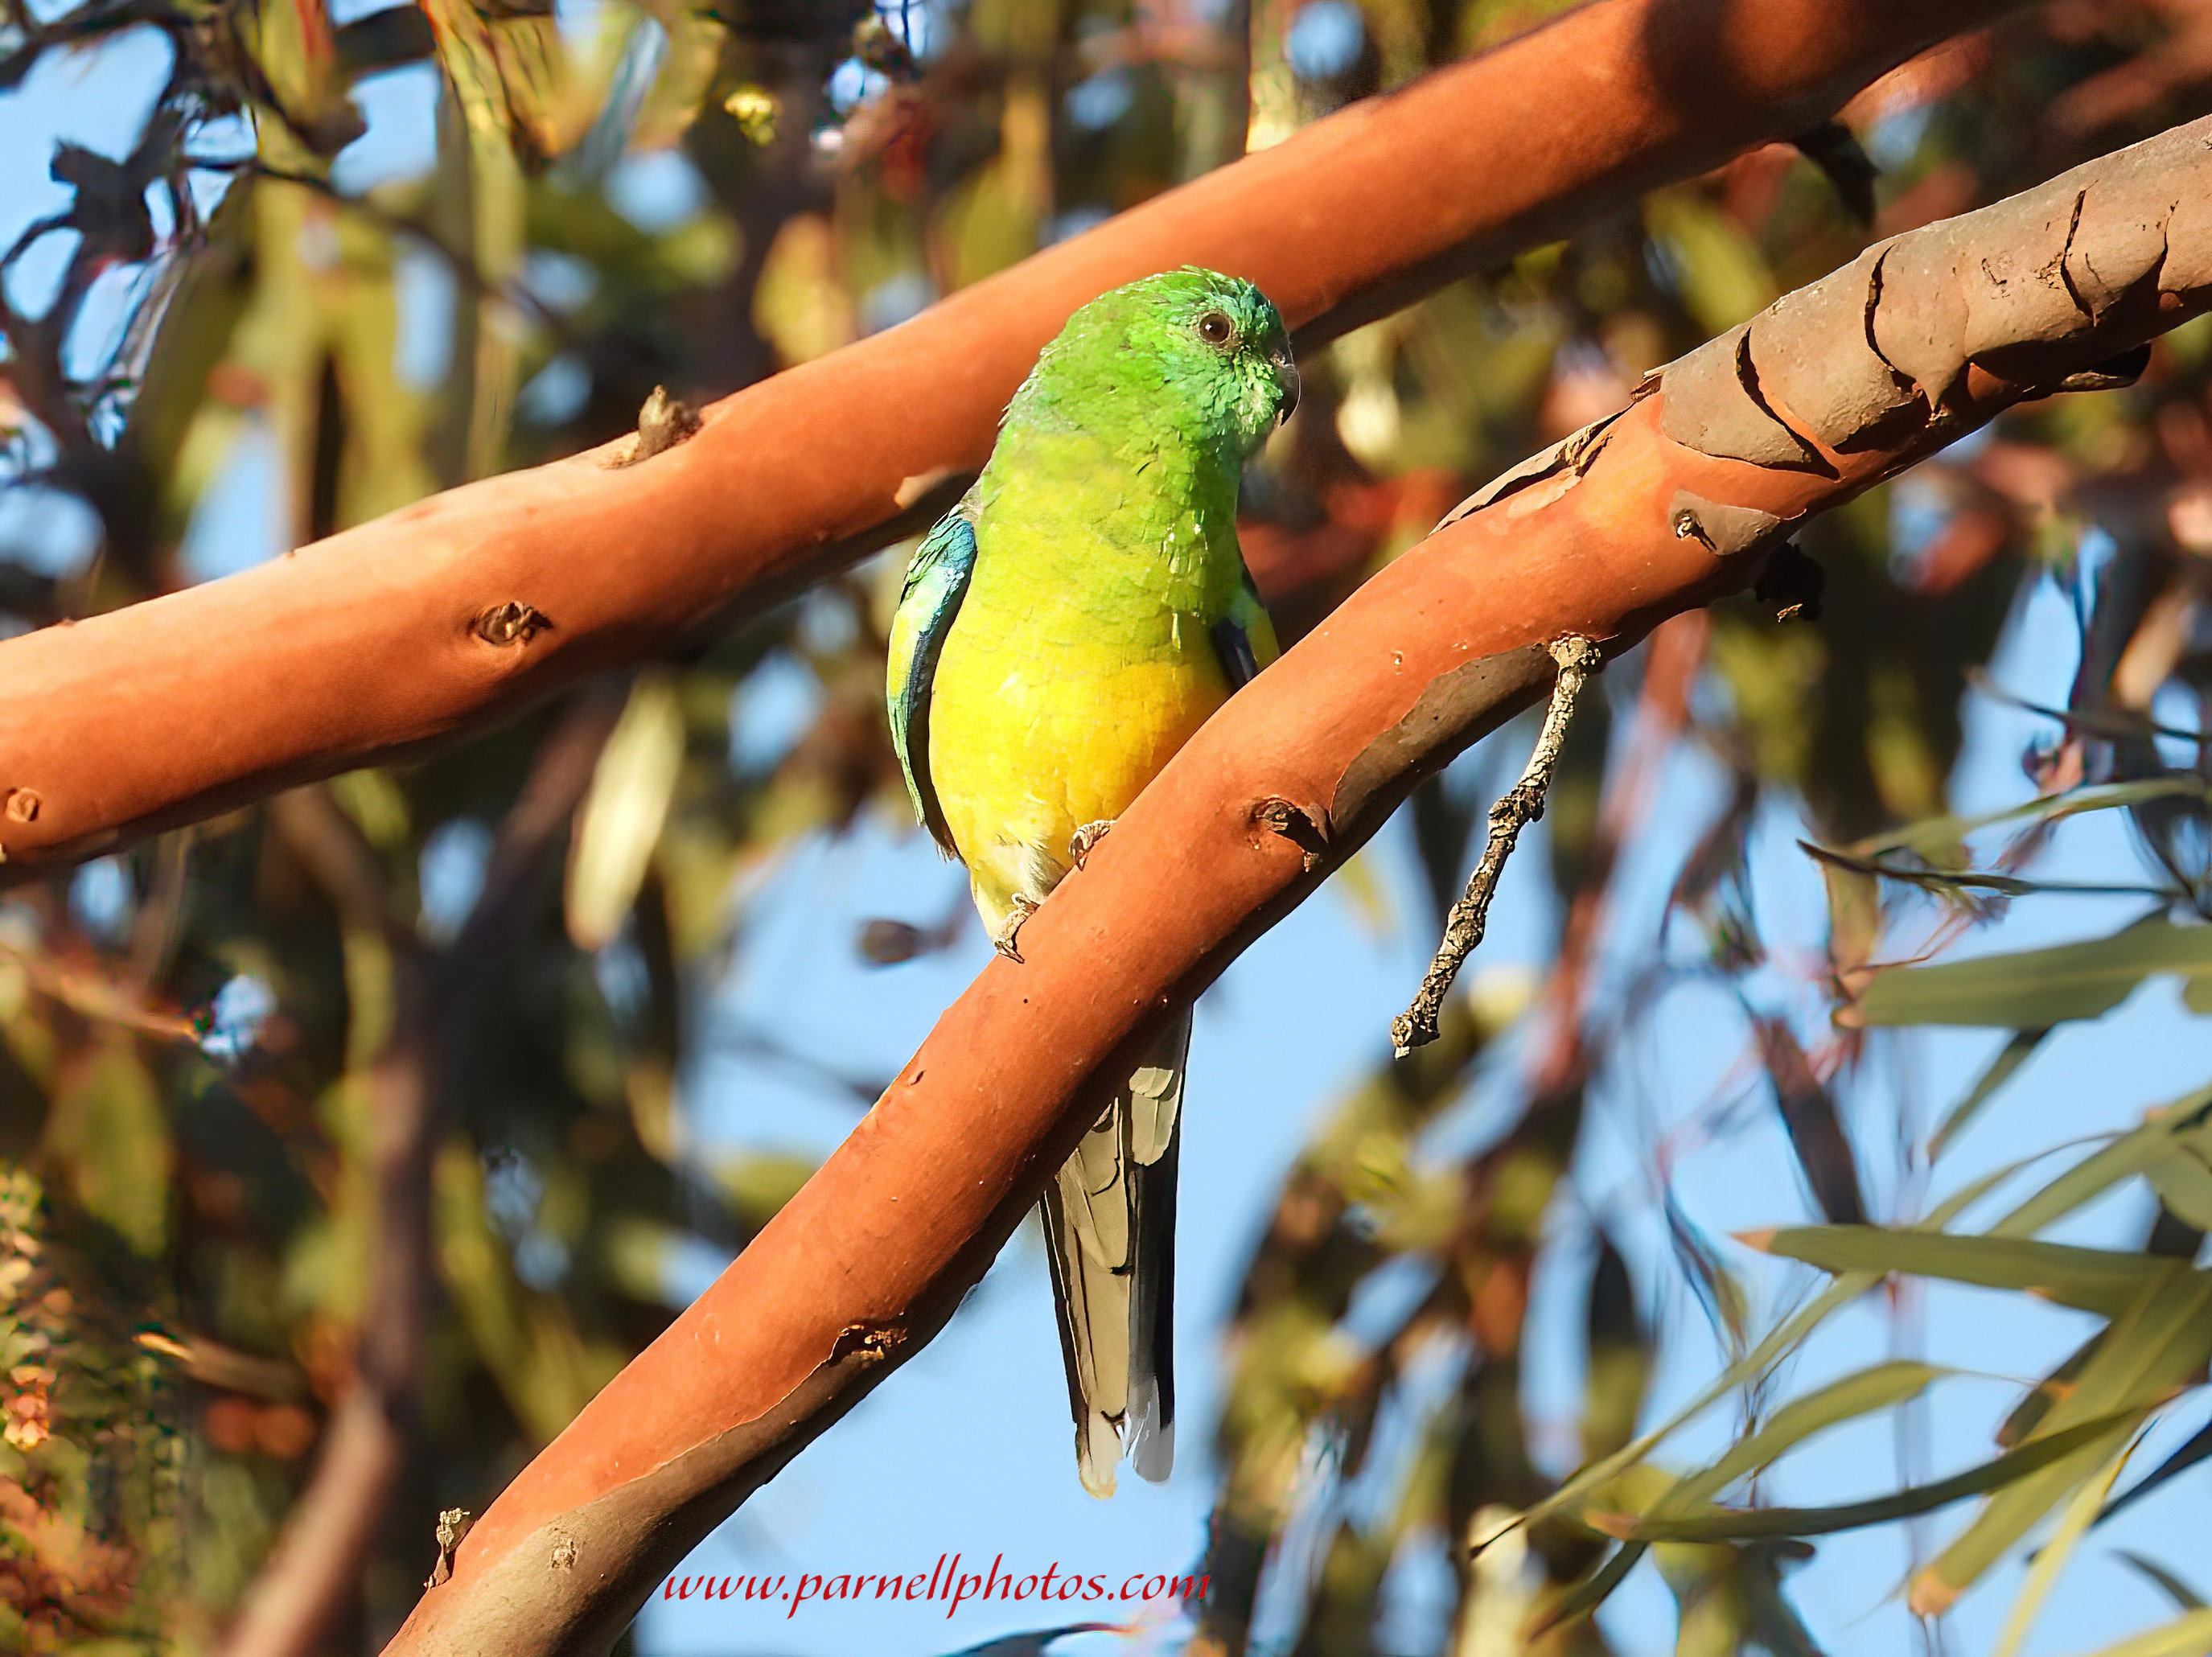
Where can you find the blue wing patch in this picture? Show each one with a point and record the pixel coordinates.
(1244, 638)
(1235, 650)
(936, 582)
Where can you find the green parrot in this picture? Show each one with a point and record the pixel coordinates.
(1063, 631)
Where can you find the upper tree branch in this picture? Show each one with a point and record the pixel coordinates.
(365, 644)
(1666, 505)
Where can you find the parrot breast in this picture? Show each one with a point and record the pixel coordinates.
(1048, 718)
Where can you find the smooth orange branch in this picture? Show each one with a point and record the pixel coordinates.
(1676, 500)
(467, 605)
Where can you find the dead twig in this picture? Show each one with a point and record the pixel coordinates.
(1518, 807)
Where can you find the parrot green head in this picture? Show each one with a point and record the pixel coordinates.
(1188, 354)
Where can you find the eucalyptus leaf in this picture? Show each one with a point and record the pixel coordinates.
(2174, 1588)
(2185, 1636)
(2196, 1449)
(1932, 836)
(2184, 1184)
(2133, 1152)
(2157, 1344)
(2103, 1281)
(1590, 1592)
(1948, 881)
(1744, 1525)
(1882, 1386)
(2036, 987)
(1776, 1346)
(2050, 1562)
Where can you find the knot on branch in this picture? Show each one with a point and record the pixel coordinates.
(1721, 529)
(1295, 823)
(1521, 805)
(868, 1343)
(511, 623)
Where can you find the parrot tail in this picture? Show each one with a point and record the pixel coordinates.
(1109, 1234)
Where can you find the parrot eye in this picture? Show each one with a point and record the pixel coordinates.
(1217, 329)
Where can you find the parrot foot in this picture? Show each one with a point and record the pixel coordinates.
(1004, 943)
(1084, 840)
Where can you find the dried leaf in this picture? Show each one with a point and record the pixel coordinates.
(1815, 1127)
(620, 819)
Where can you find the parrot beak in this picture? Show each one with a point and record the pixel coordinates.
(1287, 376)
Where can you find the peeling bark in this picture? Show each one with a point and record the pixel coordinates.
(463, 608)
(1443, 646)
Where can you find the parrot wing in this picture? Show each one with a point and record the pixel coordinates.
(936, 582)
(1244, 638)
(1110, 1235)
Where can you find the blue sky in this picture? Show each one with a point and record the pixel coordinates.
(967, 1449)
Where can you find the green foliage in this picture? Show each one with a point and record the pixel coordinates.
(90, 1457)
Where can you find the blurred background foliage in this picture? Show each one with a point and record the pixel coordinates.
(636, 194)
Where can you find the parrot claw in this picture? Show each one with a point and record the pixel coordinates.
(1004, 943)
(1084, 840)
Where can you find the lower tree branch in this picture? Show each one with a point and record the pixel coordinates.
(1670, 503)
(1519, 807)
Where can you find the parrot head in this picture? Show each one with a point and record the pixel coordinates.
(1203, 352)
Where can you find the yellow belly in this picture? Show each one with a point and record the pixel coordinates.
(1032, 738)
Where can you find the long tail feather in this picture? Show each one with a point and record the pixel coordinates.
(1110, 1237)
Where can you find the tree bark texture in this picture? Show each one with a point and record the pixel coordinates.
(466, 605)
(1671, 502)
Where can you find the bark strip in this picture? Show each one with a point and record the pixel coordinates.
(466, 606)
(1444, 644)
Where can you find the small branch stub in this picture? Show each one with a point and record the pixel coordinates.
(1521, 805)
(662, 423)
(453, 1525)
